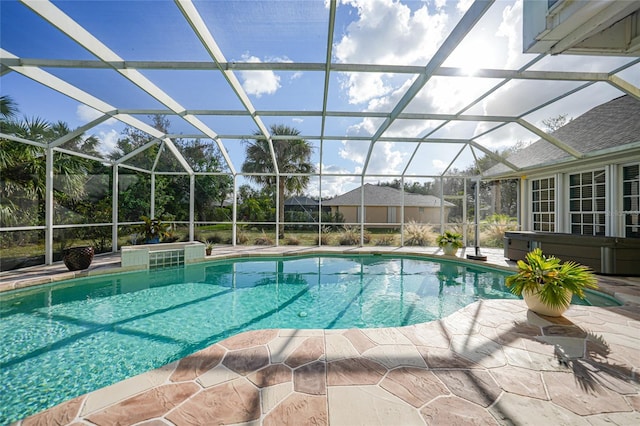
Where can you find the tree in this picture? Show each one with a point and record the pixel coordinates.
(172, 192)
(22, 166)
(552, 124)
(292, 156)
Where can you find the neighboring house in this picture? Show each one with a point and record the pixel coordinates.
(591, 187)
(383, 204)
(302, 204)
(301, 208)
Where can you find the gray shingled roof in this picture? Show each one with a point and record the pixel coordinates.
(375, 195)
(300, 201)
(610, 125)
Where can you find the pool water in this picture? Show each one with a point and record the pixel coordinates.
(64, 340)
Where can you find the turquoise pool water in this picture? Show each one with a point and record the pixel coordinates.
(64, 340)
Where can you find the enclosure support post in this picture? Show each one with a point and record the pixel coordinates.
(464, 212)
(362, 212)
(278, 201)
(320, 200)
(48, 220)
(477, 255)
(152, 207)
(192, 203)
(402, 211)
(114, 209)
(442, 227)
(235, 210)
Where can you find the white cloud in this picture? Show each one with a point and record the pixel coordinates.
(297, 120)
(333, 185)
(259, 83)
(386, 32)
(87, 114)
(464, 5)
(386, 157)
(511, 29)
(108, 140)
(354, 151)
(439, 165)
(440, 3)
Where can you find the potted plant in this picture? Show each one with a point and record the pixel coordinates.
(208, 247)
(77, 258)
(153, 230)
(450, 242)
(547, 285)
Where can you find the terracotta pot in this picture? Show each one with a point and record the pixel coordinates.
(535, 304)
(450, 249)
(77, 258)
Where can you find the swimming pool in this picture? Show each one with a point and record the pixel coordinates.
(64, 340)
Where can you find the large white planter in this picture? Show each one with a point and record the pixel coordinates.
(450, 249)
(535, 304)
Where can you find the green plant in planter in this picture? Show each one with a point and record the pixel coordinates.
(208, 247)
(154, 229)
(450, 242)
(550, 281)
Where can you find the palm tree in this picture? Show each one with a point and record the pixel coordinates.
(22, 166)
(292, 156)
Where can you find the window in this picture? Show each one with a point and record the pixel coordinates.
(543, 204)
(587, 203)
(391, 214)
(631, 200)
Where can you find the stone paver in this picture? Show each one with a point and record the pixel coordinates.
(493, 362)
(531, 373)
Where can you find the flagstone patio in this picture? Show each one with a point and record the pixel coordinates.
(493, 362)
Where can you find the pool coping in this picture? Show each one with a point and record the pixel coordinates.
(482, 346)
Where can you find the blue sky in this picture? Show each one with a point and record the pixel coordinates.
(366, 31)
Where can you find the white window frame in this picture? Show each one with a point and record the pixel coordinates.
(634, 207)
(554, 212)
(607, 197)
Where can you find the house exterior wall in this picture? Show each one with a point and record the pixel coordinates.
(380, 214)
(618, 221)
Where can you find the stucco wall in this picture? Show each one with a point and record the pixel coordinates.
(379, 214)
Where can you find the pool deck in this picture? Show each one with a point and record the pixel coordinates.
(493, 362)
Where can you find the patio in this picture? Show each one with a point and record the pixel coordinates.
(493, 362)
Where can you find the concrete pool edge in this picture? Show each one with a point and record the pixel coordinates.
(492, 360)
